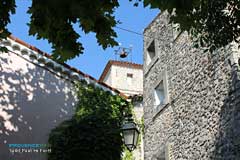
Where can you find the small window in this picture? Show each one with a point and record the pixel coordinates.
(160, 155)
(151, 52)
(130, 75)
(176, 30)
(159, 94)
(129, 78)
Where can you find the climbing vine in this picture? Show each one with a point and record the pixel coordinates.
(127, 155)
(94, 131)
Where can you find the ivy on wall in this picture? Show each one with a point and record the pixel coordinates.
(127, 155)
(94, 132)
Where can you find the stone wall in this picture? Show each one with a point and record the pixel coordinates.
(202, 116)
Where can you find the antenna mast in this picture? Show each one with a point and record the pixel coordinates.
(123, 53)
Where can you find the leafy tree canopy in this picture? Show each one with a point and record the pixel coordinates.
(94, 131)
(214, 23)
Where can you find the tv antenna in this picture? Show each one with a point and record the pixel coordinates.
(122, 53)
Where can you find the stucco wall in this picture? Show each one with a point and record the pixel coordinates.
(108, 78)
(32, 102)
(202, 117)
(119, 79)
(138, 153)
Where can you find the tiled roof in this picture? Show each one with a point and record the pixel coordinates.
(118, 63)
(38, 56)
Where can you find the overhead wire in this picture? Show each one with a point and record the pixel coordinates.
(134, 32)
(128, 30)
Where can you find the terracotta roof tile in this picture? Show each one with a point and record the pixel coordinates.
(66, 65)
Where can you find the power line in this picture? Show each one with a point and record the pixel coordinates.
(140, 34)
(134, 32)
(128, 30)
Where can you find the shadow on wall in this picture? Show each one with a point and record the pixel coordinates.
(32, 102)
(228, 139)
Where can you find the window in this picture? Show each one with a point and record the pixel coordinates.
(160, 155)
(151, 52)
(130, 75)
(159, 94)
(164, 153)
(176, 30)
(129, 78)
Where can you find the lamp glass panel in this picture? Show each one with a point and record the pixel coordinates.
(128, 136)
(135, 137)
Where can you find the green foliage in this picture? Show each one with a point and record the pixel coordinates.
(211, 23)
(140, 124)
(53, 20)
(94, 132)
(3, 49)
(207, 22)
(7, 7)
(127, 154)
(141, 129)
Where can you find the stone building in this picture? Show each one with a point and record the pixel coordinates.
(127, 77)
(191, 97)
(36, 95)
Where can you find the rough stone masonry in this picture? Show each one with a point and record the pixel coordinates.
(200, 116)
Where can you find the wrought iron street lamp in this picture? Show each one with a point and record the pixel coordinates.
(130, 133)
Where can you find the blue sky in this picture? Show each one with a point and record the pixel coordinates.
(94, 58)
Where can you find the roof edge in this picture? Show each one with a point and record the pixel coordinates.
(118, 63)
(48, 56)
